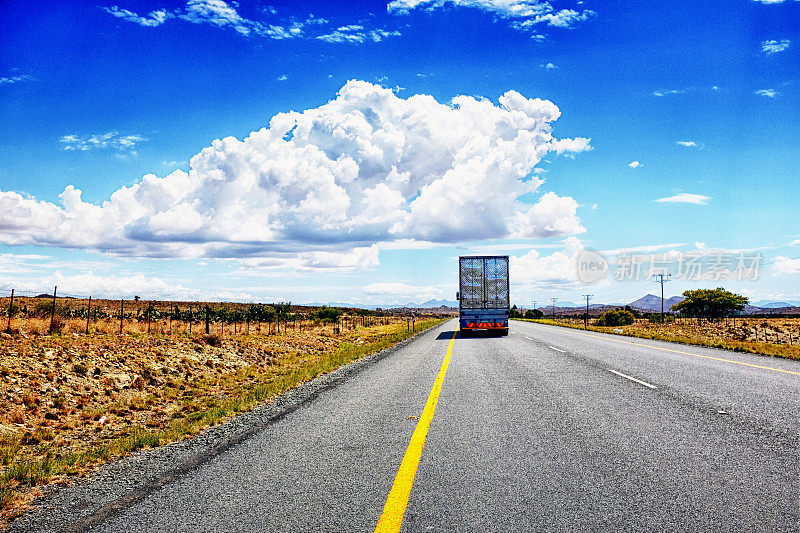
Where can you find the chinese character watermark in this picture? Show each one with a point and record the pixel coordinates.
(696, 265)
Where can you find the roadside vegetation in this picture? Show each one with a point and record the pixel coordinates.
(73, 401)
(756, 336)
(706, 317)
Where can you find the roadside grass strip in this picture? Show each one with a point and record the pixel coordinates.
(722, 359)
(785, 351)
(396, 503)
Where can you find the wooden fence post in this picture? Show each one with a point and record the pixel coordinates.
(53, 309)
(88, 313)
(121, 313)
(10, 311)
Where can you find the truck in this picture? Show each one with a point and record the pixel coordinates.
(483, 295)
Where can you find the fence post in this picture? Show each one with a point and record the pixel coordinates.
(10, 311)
(88, 313)
(53, 309)
(207, 320)
(149, 312)
(121, 313)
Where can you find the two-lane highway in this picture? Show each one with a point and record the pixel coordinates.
(548, 429)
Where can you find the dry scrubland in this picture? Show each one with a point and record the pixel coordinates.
(777, 337)
(71, 401)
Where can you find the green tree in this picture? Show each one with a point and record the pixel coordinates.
(710, 303)
(533, 313)
(514, 313)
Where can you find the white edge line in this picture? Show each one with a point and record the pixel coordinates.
(556, 349)
(640, 382)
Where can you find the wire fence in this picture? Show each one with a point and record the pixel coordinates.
(30, 312)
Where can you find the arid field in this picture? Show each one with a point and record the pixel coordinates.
(70, 401)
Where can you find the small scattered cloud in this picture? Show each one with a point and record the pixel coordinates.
(769, 2)
(668, 92)
(282, 77)
(10, 80)
(548, 66)
(685, 198)
(687, 144)
(768, 93)
(785, 265)
(634, 164)
(524, 15)
(222, 15)
(357, 34)
(112, 139)
(773, 47)
(155, 18)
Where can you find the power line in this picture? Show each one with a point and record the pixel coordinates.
(554, 300)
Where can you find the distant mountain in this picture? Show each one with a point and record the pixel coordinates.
(412, 305)
(562, 304)
(766, 304)
(439, 303)
(651, 302)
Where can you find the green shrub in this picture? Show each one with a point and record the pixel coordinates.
(615, 317)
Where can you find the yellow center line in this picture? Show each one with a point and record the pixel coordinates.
(689, 353)
(392, 517)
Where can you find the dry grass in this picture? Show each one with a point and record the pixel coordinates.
(72, 401)
(774, 337)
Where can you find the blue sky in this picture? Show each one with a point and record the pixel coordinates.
(423, 130)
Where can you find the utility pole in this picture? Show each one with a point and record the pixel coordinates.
(554, 300)
(586, 318)
(662, 279)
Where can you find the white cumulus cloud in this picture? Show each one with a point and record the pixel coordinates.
(556, 269)
(397, 291)
(685, 198)
(688, 144)
(786, 265)
(319, 188)
(634, 164)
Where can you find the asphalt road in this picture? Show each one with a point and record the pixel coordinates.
(532, 432)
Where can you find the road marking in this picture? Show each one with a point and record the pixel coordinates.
(556, 349)
(689, 353)
(639, 381)
(395, 508)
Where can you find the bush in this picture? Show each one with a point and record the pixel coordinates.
(615, 317)
(533, 313)
(328, 314)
